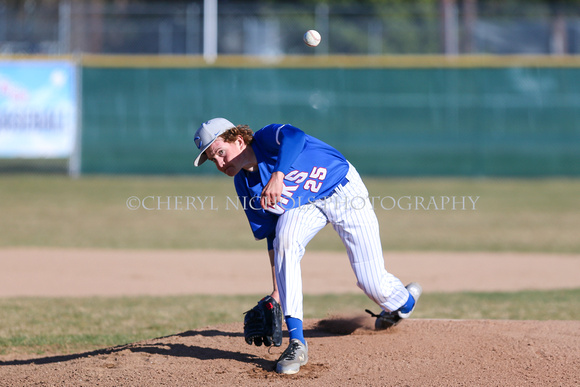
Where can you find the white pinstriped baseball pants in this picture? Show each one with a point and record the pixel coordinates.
(352, 216)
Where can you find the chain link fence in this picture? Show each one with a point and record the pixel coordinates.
(447, 27)
(435, 27)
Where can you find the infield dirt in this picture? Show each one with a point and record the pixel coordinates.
(343, 350)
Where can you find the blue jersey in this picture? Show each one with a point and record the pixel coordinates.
(312, 170)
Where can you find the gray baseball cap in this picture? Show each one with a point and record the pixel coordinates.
(207, 134)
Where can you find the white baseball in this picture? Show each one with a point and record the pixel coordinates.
(312, 38)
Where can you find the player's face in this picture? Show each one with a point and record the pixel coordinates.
(226, 155)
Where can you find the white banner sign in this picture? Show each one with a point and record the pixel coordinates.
(38, 114)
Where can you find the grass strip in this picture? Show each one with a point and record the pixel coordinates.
(527, 215)
(69, 325)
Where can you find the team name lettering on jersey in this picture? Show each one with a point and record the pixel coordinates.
(287, 191)
(312, 181)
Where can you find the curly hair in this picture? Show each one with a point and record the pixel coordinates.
(230, 135)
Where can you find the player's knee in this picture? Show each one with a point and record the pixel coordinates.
(284, 243)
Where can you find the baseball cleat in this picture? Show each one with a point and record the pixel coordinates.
(295, 356)
(387, 320)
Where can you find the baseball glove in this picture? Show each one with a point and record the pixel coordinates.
(263, 323)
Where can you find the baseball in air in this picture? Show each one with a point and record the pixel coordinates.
(312, 38)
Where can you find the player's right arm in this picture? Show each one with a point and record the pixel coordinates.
(287, 142)
(274, 294)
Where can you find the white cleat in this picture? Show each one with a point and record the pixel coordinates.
(295, 356)
(415, 290)
(390, 319)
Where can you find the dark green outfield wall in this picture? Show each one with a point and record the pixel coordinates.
(511, 121)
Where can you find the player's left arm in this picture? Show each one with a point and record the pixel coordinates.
(262, 223)
(291, 141)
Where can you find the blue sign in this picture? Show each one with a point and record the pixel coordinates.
(38, 112)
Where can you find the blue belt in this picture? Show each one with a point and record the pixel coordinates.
(342, 183)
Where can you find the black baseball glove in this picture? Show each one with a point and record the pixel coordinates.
(263, 323)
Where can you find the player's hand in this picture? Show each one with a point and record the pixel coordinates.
(275, 295)
(272, 192)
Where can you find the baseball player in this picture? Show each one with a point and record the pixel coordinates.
(291, 185)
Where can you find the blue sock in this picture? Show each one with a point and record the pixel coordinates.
(408, 305)
(295, 328)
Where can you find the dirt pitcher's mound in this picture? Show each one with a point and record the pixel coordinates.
(343, 352)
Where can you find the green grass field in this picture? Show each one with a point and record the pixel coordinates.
(92, 212)
(510, 215)
(67, 325)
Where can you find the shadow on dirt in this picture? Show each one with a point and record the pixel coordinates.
(160, 347)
